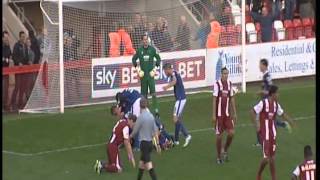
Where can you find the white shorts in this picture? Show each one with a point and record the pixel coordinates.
(178, 107)
(135, 109)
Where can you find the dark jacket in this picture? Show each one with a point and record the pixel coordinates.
(265, 24)
(18, 55)
(35, 46)
(6, 54)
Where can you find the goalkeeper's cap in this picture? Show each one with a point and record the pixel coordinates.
(132, 117)
(167, 66)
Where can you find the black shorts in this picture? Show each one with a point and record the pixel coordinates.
(146, 149)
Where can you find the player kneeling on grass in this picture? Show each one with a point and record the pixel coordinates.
(268, 109)
(129, 101)
(223, 96)
(120, 135)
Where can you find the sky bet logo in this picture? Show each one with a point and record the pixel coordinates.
(104, 77)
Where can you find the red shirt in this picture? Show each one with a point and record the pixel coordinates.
(222, 90)
(268, 110)
(120, 132)
(306, 170)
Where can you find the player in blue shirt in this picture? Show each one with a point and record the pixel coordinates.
(266, 83)
(175, 81)
(129, 101)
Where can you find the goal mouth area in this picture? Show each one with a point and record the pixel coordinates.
(55, 110)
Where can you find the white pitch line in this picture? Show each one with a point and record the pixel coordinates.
(100, 144)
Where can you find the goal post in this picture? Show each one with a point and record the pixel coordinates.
(80, 67)
(61, 66)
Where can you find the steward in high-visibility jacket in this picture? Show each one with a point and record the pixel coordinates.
(213, 36)
(120, 44)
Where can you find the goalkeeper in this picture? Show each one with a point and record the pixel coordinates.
(148, 60)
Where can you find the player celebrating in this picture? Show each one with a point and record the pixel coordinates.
(222, 120)
(179, 92)
(120, 135)
(268, 109)
(306, 170)
(129, 100)
(147, 70)
(267, 82)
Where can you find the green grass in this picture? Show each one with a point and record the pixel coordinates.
(34, 133)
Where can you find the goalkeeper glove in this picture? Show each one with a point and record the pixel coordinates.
(140, 72)
(153, 72)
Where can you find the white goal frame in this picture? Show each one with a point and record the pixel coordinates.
(61, 62)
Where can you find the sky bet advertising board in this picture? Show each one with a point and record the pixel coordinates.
(110, 75)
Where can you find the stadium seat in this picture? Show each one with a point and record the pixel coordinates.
(298, 29)
(251, 32)
(280, 31)
(258, 29)
(289, 29)
(307, 25)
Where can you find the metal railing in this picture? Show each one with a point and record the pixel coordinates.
(22, 17)
(199, 10)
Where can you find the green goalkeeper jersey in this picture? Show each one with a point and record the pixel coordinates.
(148, 57)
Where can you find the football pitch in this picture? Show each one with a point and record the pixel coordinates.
(65, 147)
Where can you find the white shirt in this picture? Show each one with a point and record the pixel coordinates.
(258, 108)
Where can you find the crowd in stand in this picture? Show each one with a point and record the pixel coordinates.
(26, 51)
(128, 37)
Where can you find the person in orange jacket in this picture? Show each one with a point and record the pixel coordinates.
(213, 36)
(120, 43)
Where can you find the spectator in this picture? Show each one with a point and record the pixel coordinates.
(290, 6)
(139, 29)
(226, 17)
(183, 35)
(162, 36)
(41, 43)
(276, 8)
(6, 56)
(72, 76)
(202, 33)
(30, 59)
(213, 36)
(126, 47)
(306, 9)
(35, 47)
(255, 5)
(266, 20)
(151, 34)
(19, 59)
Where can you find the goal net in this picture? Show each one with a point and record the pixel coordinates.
(103, 35)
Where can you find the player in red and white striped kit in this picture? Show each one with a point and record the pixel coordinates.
(120, 135)
(223, 119)
(307, 169)
(268, 109)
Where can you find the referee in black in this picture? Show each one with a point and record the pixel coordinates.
(147, 129)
